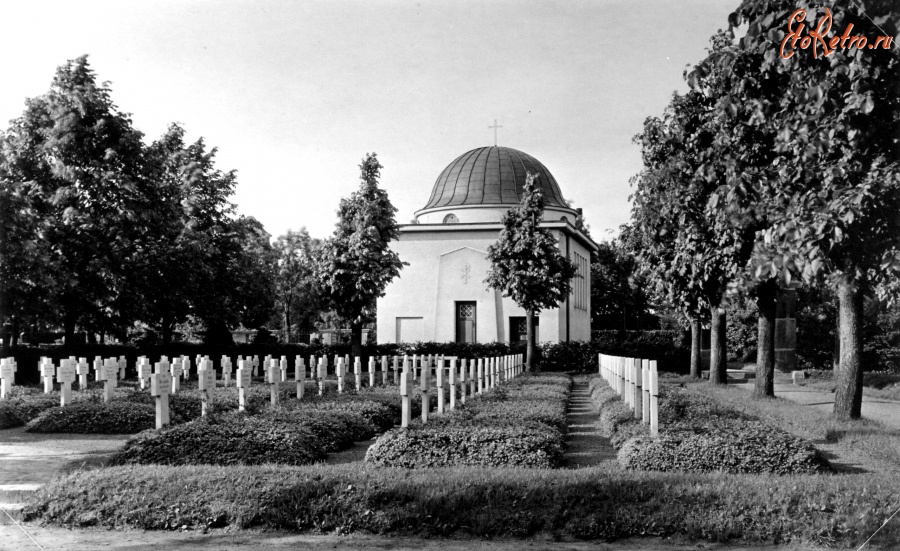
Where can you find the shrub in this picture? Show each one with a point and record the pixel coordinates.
(663, 346)
(24, 404)
(115, 417)
(521, 423)
(228, 439)
(740, 447)
(700, 434)
(444, 446)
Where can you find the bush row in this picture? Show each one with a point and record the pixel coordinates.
(587, 504)
(296, 433)
(699, 434)
(665, 347)
(521, 423)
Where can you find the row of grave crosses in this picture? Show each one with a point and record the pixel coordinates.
(165, 376)
(481, 375)
(637, 381)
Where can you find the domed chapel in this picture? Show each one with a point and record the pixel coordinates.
(441, 295)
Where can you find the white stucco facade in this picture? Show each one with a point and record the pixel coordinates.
(441, 295)
(448, 265)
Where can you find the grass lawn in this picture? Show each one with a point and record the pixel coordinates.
(604, 502)
(594, 503)
(880, 443)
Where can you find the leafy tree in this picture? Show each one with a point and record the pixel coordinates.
(355, 265)
(618, 287)
(692, 258)
(74, 162)
(832, 193)
(294, 276)
(526, 264)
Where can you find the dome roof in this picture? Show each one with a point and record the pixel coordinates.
(492, 176)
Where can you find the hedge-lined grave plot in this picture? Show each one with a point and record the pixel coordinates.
(520, 423)
(694, 433)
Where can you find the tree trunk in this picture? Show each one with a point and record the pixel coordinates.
(848, 391)
(836, 354)
(718, 360)
(766, 302)
(287, 324)
(356, 340)
(5, 329)
(529, 334)
(167, 327)
(69, 328)
(14, 334)
(696, 345)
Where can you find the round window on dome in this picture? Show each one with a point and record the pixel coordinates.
(451, 219)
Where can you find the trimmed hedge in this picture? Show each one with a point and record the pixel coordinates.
(521, 423)
(445, 446)
(24, 404)
(296, 433)
(228, 439)
(699, 434)
(666, 347)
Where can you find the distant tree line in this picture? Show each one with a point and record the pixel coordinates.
(99, 230)
(102, 233)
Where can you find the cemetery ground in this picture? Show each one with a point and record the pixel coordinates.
(726, 471)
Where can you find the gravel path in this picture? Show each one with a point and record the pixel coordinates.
(586, 447)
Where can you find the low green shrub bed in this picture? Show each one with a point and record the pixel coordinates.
(225, 439)
(295, 434)
(24, 404)
(521, 423)
(699, 434)
(129, 411)
(590, 504)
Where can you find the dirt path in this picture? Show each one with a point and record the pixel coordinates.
(586, 447)
(60, 539)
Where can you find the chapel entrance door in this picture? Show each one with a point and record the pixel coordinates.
(465, 322)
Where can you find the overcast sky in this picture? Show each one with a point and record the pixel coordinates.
(294, 94)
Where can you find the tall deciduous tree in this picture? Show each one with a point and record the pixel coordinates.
(834, 188)
(355, 265)
(693, 259)
(294, 275)
(80, 161)
(526, 264)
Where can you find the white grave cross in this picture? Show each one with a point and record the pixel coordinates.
(160, 383)
(7, 376)
(65, 374)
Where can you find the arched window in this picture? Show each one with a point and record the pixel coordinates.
(563, 219)
(451, 219)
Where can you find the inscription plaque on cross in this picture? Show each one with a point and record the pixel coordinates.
(299, 376)
(243, 382)
(175, 371)
(7, 376)
(273, 377)
(110, 377)
(160, 383)
(47, 372)
(226, 370)
(65, 374)
(206, 381)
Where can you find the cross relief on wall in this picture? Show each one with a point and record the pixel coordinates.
(467, 274)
